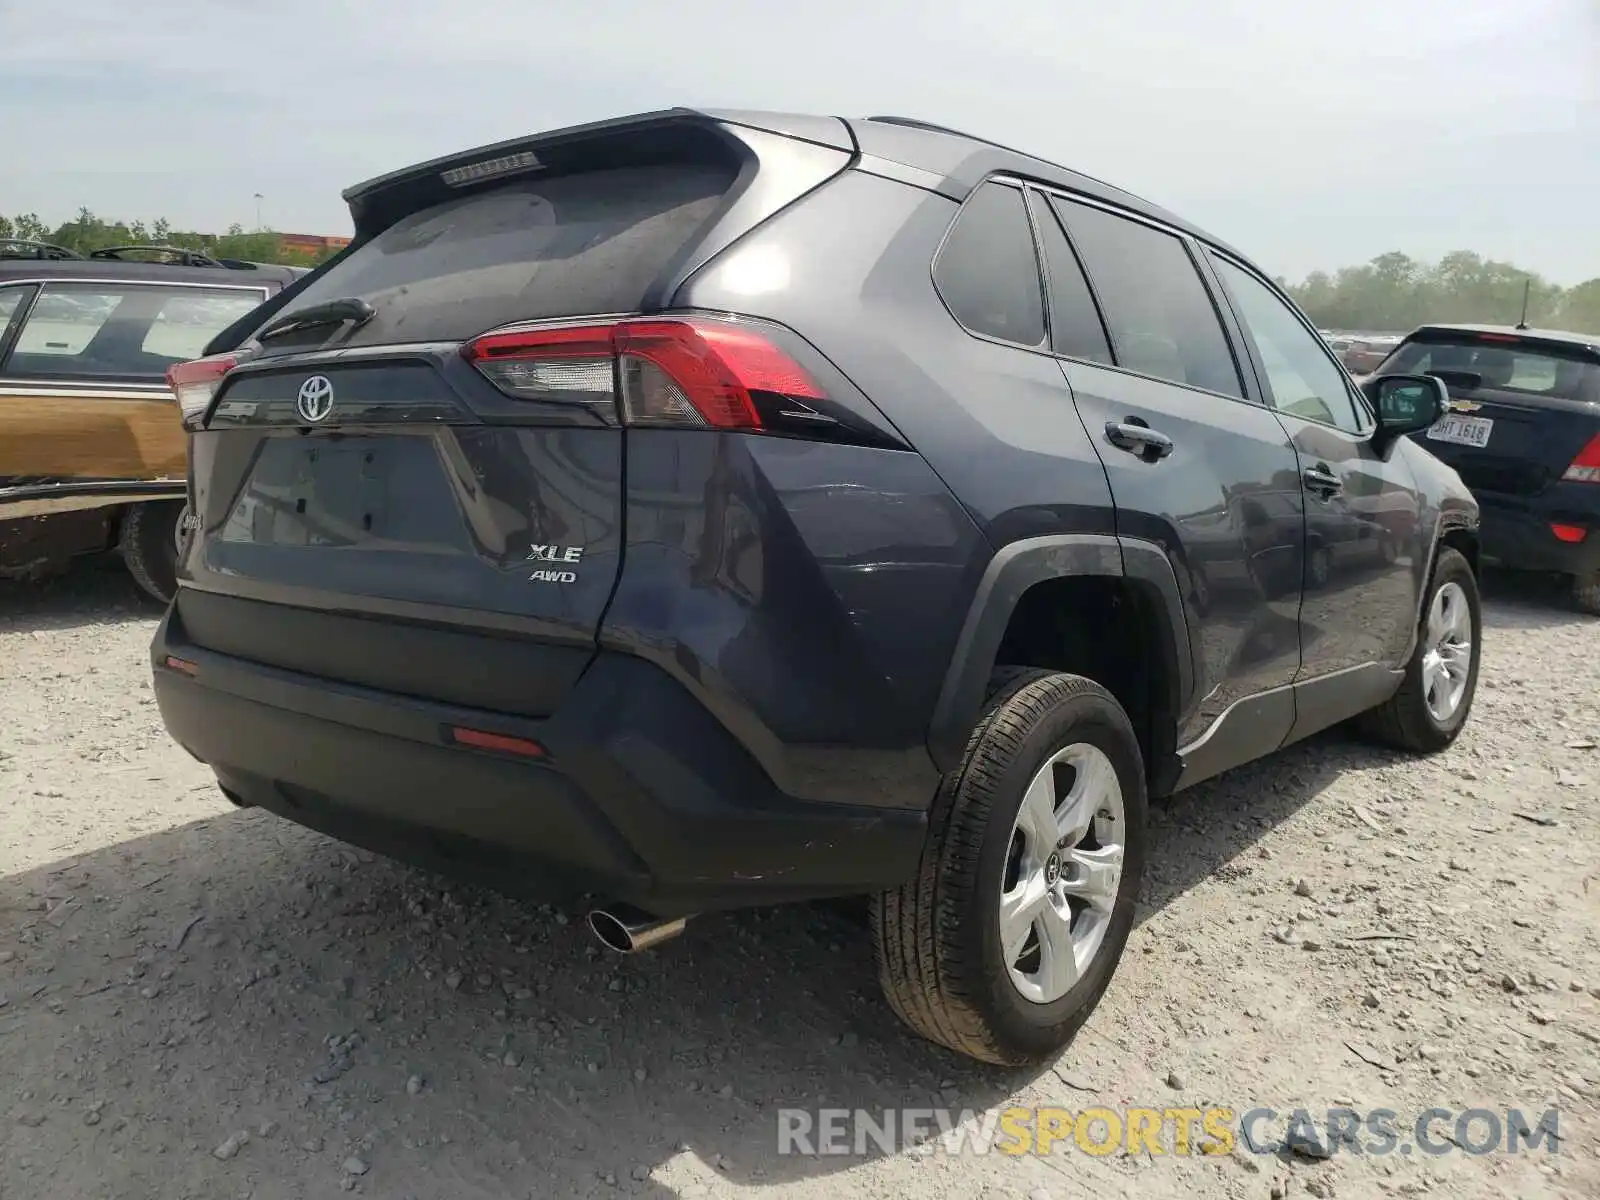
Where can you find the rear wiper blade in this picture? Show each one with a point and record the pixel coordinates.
(333, 312)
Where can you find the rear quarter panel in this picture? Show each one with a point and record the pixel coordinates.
(1001, 455)
(851, 270)
(807, 594)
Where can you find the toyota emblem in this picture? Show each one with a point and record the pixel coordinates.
(315, 400)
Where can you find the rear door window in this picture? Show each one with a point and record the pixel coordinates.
(122, 331)
(584, 244)
(1162, 320)
(987, 270)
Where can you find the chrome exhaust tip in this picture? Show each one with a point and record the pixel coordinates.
(628, 930)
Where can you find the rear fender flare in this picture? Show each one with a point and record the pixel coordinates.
(1449, 521)
(1011, 572)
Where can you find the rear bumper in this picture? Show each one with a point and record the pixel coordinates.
(643, 796)
(1516, 533)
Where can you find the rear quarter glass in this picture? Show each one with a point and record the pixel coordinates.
(537, 248)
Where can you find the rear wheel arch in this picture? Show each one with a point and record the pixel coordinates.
(1451, 532)
(1464, 541)
(1095, 605)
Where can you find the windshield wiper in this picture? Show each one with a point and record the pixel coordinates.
(352, 309)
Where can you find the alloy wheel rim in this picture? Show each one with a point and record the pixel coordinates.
(1447, 652)
(1063, 872)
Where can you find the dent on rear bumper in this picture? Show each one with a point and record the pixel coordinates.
(644, 796)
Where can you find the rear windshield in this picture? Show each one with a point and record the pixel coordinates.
(589, 243)
(1469, 364)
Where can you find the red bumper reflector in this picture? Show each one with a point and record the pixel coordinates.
(503, 743)
(183, 665)
(1569, 533)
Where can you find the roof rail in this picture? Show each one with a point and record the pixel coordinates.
(179, 255)
(930, 127)
(10, 246)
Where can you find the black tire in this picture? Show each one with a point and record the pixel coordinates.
(149, 544)
(937, 938)
(1586, 594)
(1403, 721)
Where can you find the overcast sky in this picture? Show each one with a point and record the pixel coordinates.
(1310, 133)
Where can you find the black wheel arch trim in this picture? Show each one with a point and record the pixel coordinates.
(1449, 521)
(1014, 569)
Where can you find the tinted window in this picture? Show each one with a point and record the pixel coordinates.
(988, 272)
(1075, 326)
(1161, 316)
(126, 331)
(1301, 377)
(1470, 364)
(572, 245)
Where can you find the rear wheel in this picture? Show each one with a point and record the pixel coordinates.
(149, 545)
(1003, 943)
(1586, 594)
(1433, 702)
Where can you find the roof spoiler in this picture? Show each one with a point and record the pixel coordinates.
(666, 135)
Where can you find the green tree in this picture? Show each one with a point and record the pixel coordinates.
(1580, 307)
(1395, 292)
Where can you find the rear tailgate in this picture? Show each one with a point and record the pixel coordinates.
(1523, 408)
(372, 508)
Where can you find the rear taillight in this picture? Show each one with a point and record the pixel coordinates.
(686, 372)
(1586, 467)
(195, 384)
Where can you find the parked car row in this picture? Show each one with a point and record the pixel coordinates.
(1361, 353)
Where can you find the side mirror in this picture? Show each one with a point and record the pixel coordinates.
(1406, 403)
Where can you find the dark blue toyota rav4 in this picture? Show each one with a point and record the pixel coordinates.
(707, 509)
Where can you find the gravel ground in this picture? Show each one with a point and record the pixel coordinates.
(201, 1002)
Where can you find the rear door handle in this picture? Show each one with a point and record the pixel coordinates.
(1322, 481)
(1134, 436)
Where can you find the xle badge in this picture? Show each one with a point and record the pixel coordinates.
(554, 554)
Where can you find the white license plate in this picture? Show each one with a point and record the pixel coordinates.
(1464, 431)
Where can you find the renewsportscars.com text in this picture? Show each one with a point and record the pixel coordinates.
(1101, 1131)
